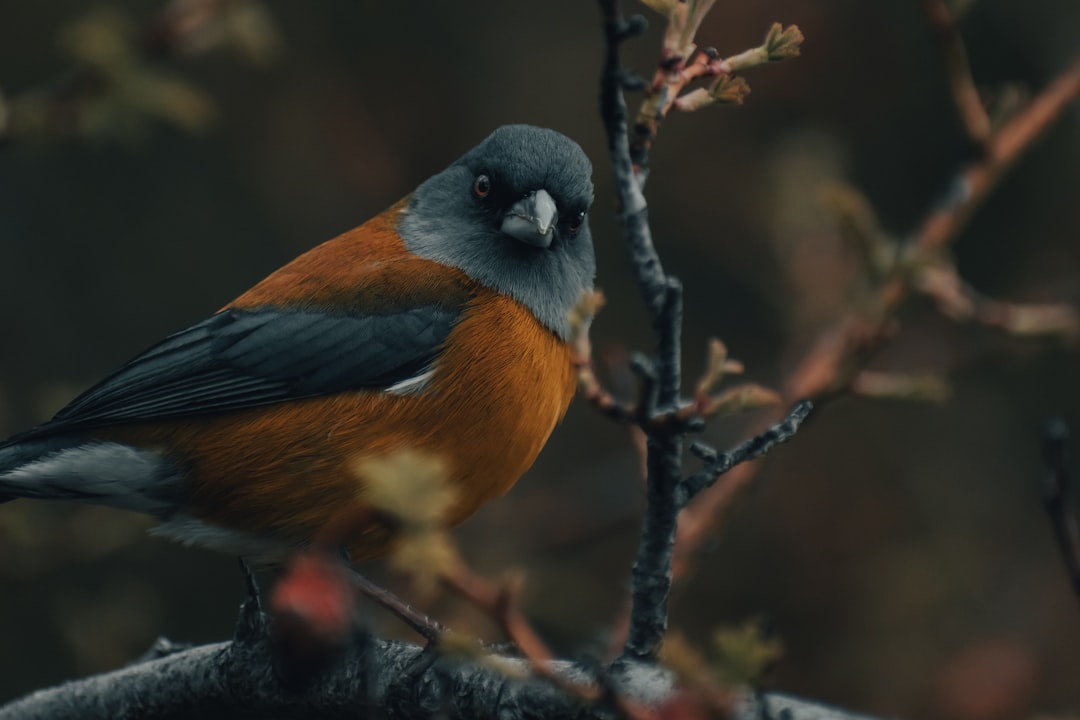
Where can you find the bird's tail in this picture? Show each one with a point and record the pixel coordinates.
(65, 467)
(16, 455)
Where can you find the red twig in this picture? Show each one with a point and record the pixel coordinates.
(589, 386)
(501, 603)
(979, 178)
(959, 301)
(843, 350)
(969, 106)
(427, 627)
(673, 74)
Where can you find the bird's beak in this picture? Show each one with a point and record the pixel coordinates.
(532, 219)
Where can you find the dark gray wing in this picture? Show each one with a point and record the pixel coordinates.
(244, 358)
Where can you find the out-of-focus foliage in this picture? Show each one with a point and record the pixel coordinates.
(412, 489)
(117, 87)
(899, 549)
(739, 656)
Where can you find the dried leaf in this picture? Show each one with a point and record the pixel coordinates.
(780, 44)
(412, 487)
(744, 653)
(425, 555)
(408, 485)
(705, 684)
(717, 365)
(686, 660)
(729, 90)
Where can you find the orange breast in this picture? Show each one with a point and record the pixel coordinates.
(501, 385)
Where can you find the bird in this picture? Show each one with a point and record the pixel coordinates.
(441, 325)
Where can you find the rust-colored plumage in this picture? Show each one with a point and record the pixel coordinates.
(440, 327)
(286, 471)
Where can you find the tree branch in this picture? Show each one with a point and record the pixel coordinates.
(662, 418)
(373, 676)
(377, 678)
(719, 463)
(974, 182)
(663, 298)
(632, 208)
(969, 107)
(843, 351)
(653, 563)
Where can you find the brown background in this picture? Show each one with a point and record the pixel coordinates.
(899, 550)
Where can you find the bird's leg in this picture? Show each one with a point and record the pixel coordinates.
(250, 585)
(251, 624)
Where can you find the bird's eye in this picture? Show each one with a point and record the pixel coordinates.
(576, 222)
(482, 186)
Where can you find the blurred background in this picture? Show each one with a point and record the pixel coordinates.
(898, 549)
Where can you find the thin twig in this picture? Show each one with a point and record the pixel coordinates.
(428, 628)
(589, 386)
(842, 351)
(682, 62)
(719, 463)
(673, 73)
(969, 107)
(501, 602)
(959, 301)
(976, 181)
(592, 391)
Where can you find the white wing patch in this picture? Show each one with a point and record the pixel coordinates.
(412, 386)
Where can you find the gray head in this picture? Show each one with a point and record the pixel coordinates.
(512, 214)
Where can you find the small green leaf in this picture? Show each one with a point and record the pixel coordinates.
(745, 653)
(782, 43)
